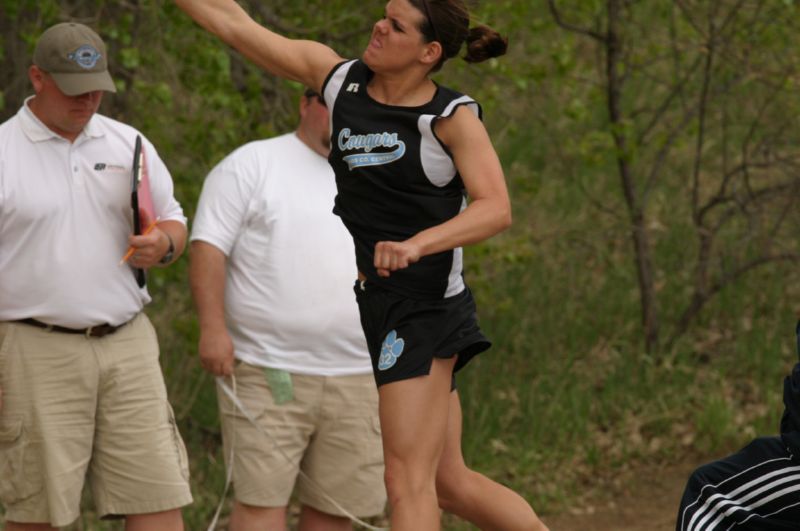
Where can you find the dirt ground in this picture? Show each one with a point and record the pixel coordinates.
(644, 500)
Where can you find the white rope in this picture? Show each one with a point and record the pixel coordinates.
(238, 403)
(229, 475)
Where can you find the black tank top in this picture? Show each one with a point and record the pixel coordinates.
(395, 178)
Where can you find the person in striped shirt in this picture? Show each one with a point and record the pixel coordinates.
(757, 488)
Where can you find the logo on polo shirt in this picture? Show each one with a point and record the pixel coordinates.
(391, 349)
(102, 166)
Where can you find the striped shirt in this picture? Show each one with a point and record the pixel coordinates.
(757, 488)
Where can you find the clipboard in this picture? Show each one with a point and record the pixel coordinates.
(136, 180)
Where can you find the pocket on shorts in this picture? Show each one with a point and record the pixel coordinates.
(19, 474)
(376, 426)
(180, 447)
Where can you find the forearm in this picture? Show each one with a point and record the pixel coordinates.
(207, 282)
(482, 219)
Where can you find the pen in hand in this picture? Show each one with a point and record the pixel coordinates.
(132, 249)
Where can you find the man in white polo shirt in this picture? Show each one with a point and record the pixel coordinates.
(83, 394)
(272, 271)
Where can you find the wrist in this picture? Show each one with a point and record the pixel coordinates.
(419, 245)
(213, 326)
(169, 255)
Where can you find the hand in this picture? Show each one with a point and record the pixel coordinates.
(391, 256)
(216, 352)
(149, 247)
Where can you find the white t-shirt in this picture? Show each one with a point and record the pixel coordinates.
(289, 299)
(65, 219)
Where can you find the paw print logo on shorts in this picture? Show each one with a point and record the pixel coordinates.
(391, 349)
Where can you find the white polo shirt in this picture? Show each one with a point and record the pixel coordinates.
(65, 219)
(289, 298)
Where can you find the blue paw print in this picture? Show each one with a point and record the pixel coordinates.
(391, 349)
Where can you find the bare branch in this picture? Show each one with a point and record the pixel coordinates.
(677, 89)
(571, 27)
(699, 299)
(702, 123)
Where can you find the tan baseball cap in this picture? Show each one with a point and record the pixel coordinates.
(75, 57)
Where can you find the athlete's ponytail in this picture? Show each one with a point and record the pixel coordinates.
(484, 43)
(447, 22)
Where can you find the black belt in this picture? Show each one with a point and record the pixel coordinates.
(92, 331)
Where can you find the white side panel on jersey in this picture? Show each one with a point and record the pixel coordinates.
(334, 85)
(436, 162)
(455, 282)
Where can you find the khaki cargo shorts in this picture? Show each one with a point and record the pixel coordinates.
(329, 430)
(76, 407)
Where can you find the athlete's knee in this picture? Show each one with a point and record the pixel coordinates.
(405, 480)
(396, 479)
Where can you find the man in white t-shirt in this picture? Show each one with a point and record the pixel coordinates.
(272, 271)
(83, 393)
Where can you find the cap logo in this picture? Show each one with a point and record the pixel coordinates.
(86, 56)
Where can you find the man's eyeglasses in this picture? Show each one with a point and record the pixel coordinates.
(310, 94)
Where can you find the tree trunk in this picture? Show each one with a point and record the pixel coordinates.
(639, 234)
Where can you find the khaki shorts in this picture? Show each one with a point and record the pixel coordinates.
(329, 430)
(74, 406)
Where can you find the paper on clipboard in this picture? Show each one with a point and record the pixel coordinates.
(145, 197)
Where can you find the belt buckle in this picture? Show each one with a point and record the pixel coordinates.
(88, 332)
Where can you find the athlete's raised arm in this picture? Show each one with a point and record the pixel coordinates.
(308, 62)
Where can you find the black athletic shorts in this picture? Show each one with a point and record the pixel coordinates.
(404, 335)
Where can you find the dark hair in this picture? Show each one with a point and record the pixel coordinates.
(447, 21)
